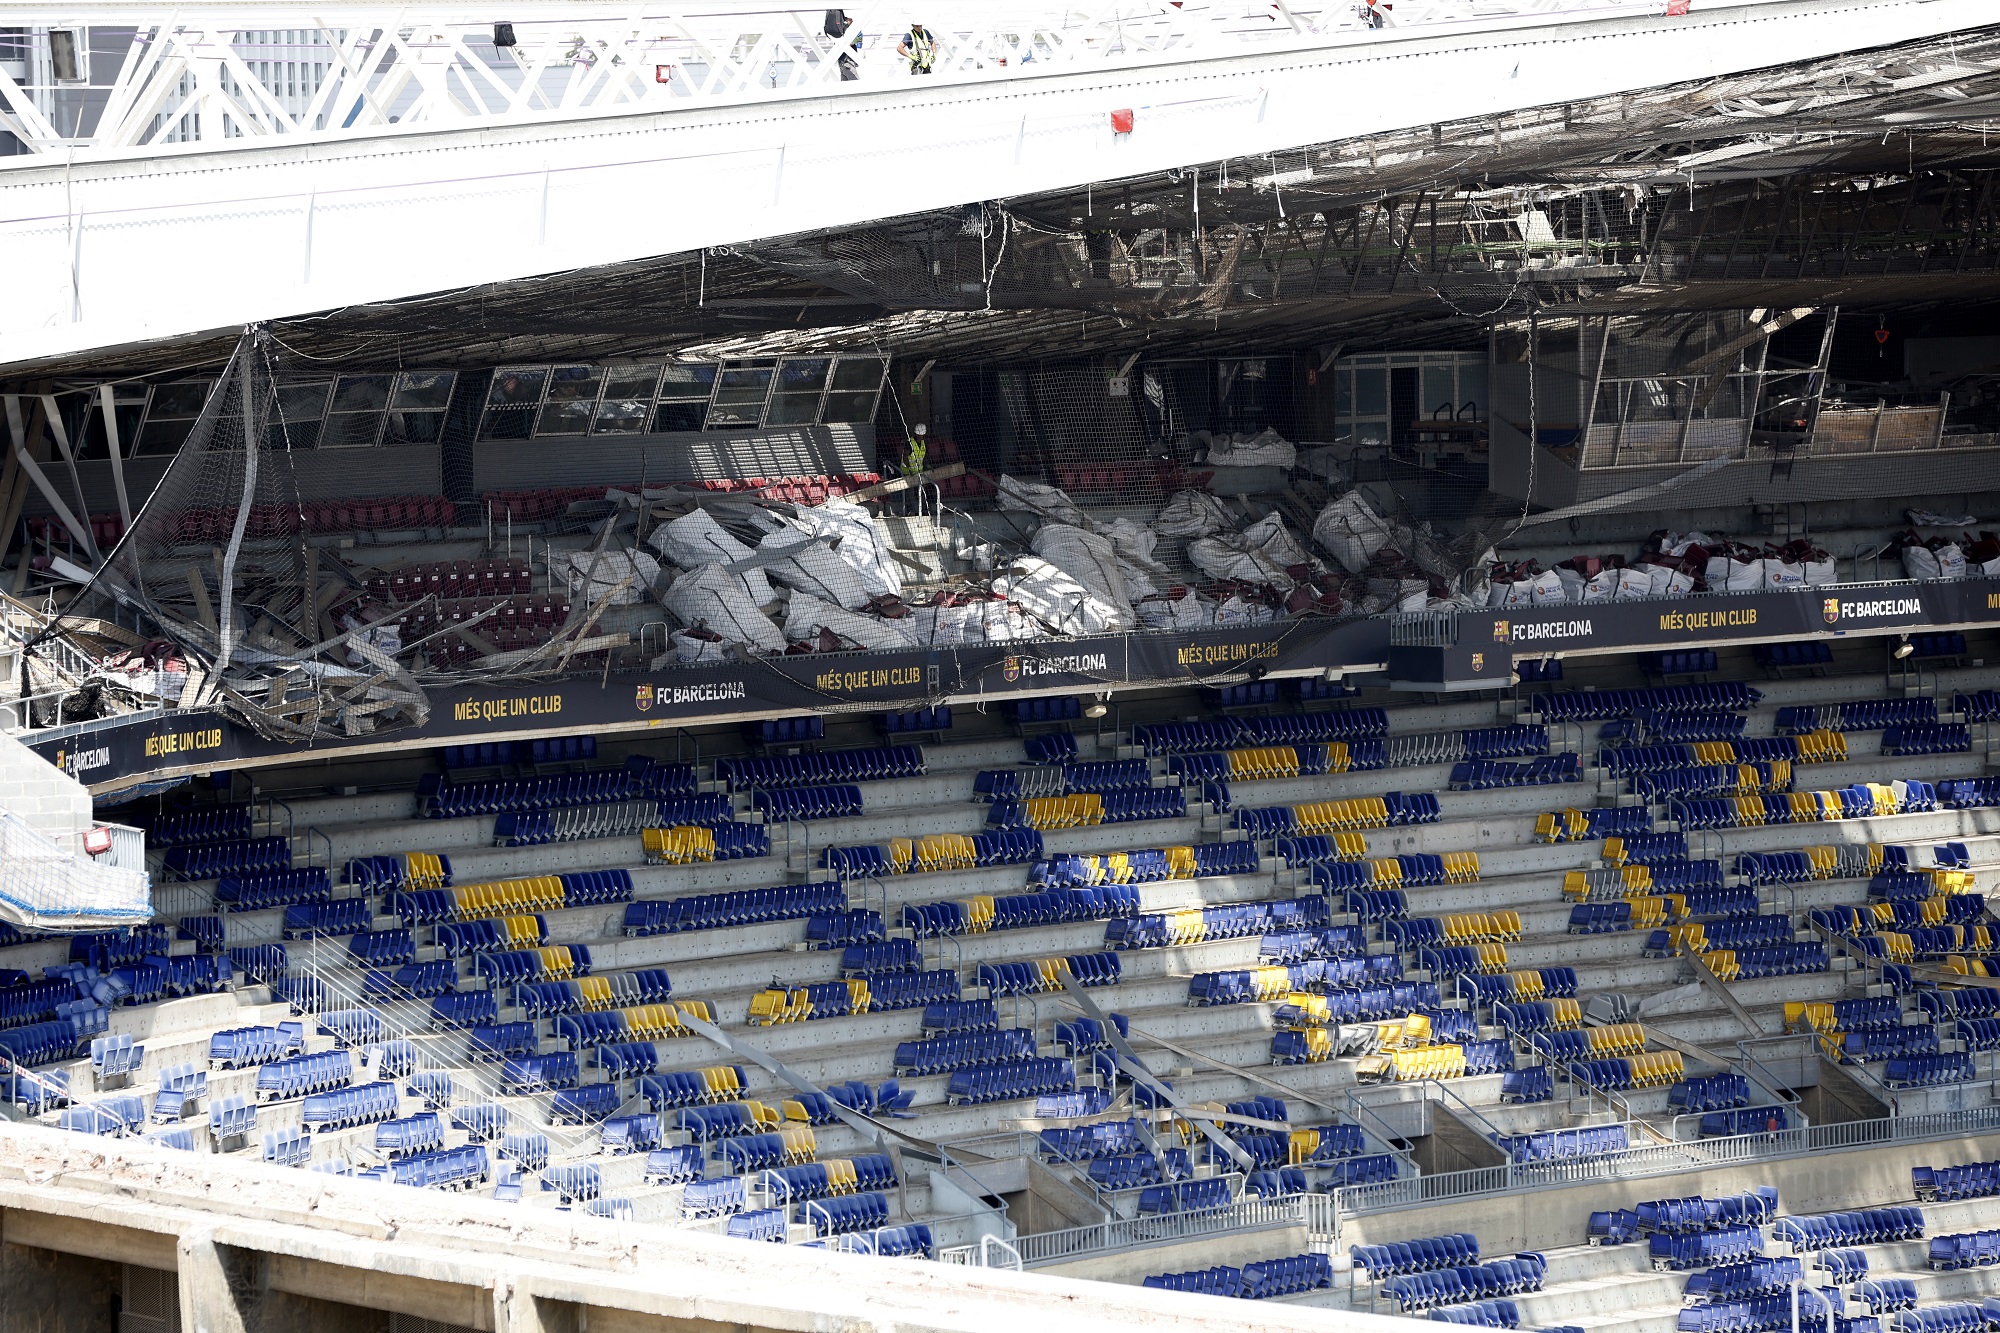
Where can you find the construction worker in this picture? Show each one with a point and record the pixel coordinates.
(919, 49)
(913, 466)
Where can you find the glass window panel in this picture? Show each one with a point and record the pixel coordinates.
(518, 385)
(1439, 391)
(179, 400)
(351, 430)
(630, 381)
(414, 427)
(565, 418)
(740, 387)
(303, 402)
(162, 437)
(508, 423)
(624, 416)
(793, 409)
(681, 416)
(424, 388)
(723, 414)
(361, 393)
(1472, 386)
(1371, 393)
(571, 384)
(858, 372)
(292, 434)
(805, 375)
(1343, 393)
(687, 379)
(849, 407)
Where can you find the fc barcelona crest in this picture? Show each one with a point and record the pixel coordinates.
(1479, 661)
(645, 698)
(1010, 670)
(1501, 630)
(1830, 608)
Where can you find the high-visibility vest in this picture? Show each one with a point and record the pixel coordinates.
(923, 51)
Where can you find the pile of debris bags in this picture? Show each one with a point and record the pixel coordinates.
(1266, 448)
(1930, 558)
(1671, 564)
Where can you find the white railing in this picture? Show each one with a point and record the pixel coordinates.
(218, 73)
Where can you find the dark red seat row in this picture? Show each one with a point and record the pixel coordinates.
(451, 579)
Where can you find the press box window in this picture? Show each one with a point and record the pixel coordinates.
(685, 387)
(417, 404)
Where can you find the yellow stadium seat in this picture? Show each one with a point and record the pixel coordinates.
(1492, 958)
(1350, 846)
(1565, 1015)
(1722, 962)
(1528, 985)
(1548, 828)
(902, 851)
(1338, 759)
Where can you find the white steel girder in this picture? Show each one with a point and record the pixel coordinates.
(426, 160)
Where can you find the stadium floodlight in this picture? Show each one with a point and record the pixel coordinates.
(1904, 648)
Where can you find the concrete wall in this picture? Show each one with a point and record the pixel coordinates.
(1559, 1215)
(42, 795)
(1233, 1249)
(259, 1249)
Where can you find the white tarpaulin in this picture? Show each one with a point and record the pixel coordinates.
(1184, 612)
(695, 540)
(1067, 606)
(593, 574)
(1090, 559)
(45, 887)
(974, 622)
(714, 599)
(860, 544)
(808, 615)
(1350, 532)
(1053, 505)
(1266, 448)
(812, 568)
(1261, 553)
(1192, 514)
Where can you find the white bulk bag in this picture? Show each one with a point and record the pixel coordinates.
(1633, 585)
(807, 615)
(1268, 535)
(1184, 612)
(717, 600)
(1991, 568)
(1781, 574)
(1951, 561)
(1350, 532)
(1745, 576)
(1919, 562)
(861, 545)
(694, 540)
(1228, 556)
(1052, 504)
(812, 568)
(1087, 557)
(1266, 448)
(1057, 599)
(1572, 583)
(1192, 514)
(1236, 611)
(591, 575)
(1547, 589)
(1820, 572)
(1600, 586)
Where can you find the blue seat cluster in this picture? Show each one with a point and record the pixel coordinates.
(1706, 1249)
(1257, 1281)
(1923, 1071)
(1228, 921)
(303, 1075)
(713, 1198)
(1805, 653)
(935, 717)
(1709, 1092)
(405, 1137)
(1429, 1255)
(1061, 708)
(1487, 774)
(340, 916)
(1737, 1282)
(1561, 1145)
(1980, 706)
(1526, 1086)
(811, 1180)
(347, 1107)
(837, 930)
(675, 1166)
(1745, 1120)
(1868, 1226)
(1476, 1282)
(196, 828)
(1119, 807)
(1011, 1080)
(1185, 1196)
(1978, 1180)
(451, 1168)
(937, 1055)
(1682, 1217)
(786, 730)
(258, 889)
(1856, 715)
(493, 754)
(1927, 738)
(807, 803)
(820, 768)
(1116, 1143)
(993, 848)
(1764, 1314)
(1333, 724)
(1599, 705)
(1885, 1294)
(734, 907)
(239, 856)
(844, 1213)
(1681, 662)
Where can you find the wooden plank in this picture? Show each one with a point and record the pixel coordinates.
(898, 484)
(199, 587)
